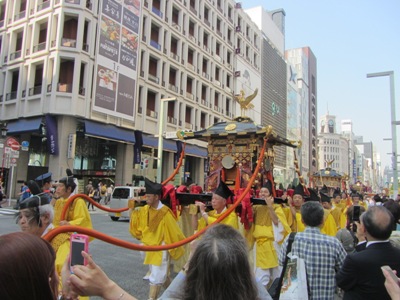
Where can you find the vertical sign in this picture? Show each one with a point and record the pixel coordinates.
(117, 59)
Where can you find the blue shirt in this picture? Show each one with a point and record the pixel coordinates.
(323, 256)
(25, 193)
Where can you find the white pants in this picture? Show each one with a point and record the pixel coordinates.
(159, 274)
(265, 275)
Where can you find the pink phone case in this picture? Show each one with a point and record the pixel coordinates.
(79, 243)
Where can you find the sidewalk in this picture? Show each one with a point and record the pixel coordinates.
(4, 203)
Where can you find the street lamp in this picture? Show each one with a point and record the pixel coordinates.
(394, 123)
(3, 136)
(160, 136)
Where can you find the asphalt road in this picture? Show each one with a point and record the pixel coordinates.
(122, 265)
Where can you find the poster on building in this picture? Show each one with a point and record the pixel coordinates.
(109, 38)
(106, 84)
(117, 58)
(126, 90)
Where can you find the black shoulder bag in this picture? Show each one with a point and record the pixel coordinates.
(275, 288)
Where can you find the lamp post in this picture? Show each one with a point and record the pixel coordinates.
(160, 136)
(393, 123)
(3, 135)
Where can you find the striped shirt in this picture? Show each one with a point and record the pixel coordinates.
(323, 256)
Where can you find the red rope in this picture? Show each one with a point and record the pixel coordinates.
(101, 236)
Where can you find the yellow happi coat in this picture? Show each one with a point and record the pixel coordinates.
(329, 226)
(231, 219)
(262, 233)
(77, 215)
(155, 227)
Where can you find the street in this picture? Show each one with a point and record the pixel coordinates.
(123, 266)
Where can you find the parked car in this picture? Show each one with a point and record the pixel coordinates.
(120, 198)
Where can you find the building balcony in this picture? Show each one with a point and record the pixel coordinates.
(155, 44)
(151, 113)
(73, 1)
(172, 87)
(157, 12)
(20, 15)
(15, 55)
(174, 56)
(191, 67)
(36, 90)
(39, 47)
(188, 125)
(176, 26)
(11, 95)
(189, 96)
(193, 10)
(192, 38)
(154, 78)
(172, 120)
(204, 102)
(44, 5)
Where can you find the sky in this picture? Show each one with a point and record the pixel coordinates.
(350, 38)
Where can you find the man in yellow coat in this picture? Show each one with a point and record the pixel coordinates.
(335, 211)
(329, 225)
(218, 202)
(155, 225)
(265, 236)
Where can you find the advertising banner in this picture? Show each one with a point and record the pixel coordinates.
(51, 135)
(116, 66)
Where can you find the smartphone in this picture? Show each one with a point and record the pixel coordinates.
(356, 214)
(79, 243)
(389, 269)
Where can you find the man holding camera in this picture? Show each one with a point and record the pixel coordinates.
(360, 276)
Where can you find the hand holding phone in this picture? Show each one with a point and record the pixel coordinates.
(79, 243)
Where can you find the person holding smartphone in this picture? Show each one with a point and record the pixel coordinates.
(360, 276)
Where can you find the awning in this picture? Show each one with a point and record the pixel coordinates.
(109, 132)
(24, 125)
(151, 141)
(194, 150)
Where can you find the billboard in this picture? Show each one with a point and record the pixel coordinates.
(117, 58)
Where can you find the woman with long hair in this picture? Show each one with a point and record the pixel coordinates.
(218, 269)
(27, 268)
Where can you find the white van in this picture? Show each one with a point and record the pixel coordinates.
(120, 198)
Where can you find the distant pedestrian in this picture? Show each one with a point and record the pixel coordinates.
(91, 196)
(110, 190)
